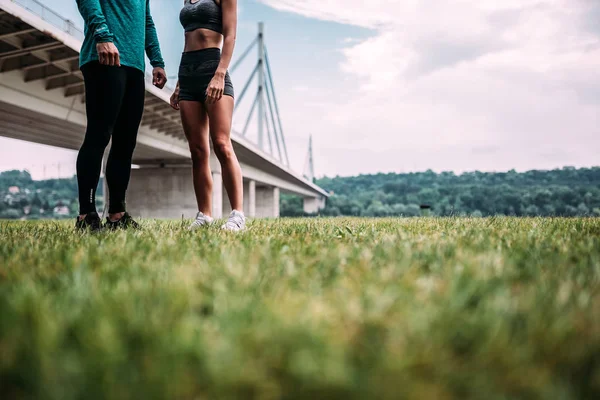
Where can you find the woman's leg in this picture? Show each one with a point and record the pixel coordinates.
(195, 126)
(219, 116)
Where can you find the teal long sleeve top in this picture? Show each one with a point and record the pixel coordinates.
(126, 23)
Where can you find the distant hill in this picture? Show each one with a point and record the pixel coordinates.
(562, 192)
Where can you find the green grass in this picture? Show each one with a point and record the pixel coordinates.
(429, 308)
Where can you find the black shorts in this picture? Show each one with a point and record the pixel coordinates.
(196, 70)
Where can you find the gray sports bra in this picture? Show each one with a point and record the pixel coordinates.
(201, 14)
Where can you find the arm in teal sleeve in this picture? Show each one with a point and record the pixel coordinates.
(94, 19)
(152, 46)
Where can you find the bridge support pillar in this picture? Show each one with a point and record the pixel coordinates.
(219, 196)
(267, 202)
(168, 193)
(312, 205)
(162, 193)
(250, 198)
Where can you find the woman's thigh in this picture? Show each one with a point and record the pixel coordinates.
(194, 119)
(220, 115)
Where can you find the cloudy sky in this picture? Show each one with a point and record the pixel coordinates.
(410, 85)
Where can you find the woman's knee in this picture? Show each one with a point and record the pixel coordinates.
(200, 152)
(223, 148)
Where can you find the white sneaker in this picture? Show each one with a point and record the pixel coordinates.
(201, 220)
(235, 222)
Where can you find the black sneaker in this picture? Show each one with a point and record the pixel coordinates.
(126, 222)
(91, 223)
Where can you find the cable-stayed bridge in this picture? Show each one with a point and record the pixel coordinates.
(42, 100)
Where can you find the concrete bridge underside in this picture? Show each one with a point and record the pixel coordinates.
(42, 100)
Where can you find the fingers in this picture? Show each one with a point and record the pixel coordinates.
(175, 103)
(108, 54)
(213, 94)
(111, 59)
(161, 80)
(174, 100)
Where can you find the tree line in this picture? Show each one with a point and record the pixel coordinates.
(562, 192)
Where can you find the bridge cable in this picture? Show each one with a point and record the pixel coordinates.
(275, 130)
(268, 132)
(239, 100)
(270, 96)
(270, 76)
(250, 114)
(244, 54)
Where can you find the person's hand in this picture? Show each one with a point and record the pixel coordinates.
(214, 92)
(108, 54)
(159, 77)
(175, 99)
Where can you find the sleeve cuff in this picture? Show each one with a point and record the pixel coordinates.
(156, 64)
(103, 35)
(104, 38)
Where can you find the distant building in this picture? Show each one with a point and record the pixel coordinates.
(14, 190)
(62, 210)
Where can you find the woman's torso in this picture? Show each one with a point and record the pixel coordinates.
(203, 24)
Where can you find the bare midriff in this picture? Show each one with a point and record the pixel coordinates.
(202, 39)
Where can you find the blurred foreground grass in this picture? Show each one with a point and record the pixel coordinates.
(320, 308)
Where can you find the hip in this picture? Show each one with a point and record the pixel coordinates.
(200, 63)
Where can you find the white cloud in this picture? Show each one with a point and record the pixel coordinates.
(462, 84)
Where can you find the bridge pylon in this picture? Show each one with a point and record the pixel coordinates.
(309, 164)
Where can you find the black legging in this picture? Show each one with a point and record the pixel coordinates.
(114, 105)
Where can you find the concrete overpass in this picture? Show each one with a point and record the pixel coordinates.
(42, 100)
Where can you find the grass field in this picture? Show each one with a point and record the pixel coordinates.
(419, 308)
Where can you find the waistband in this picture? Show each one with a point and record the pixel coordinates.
(208, 50)
(198, 56)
